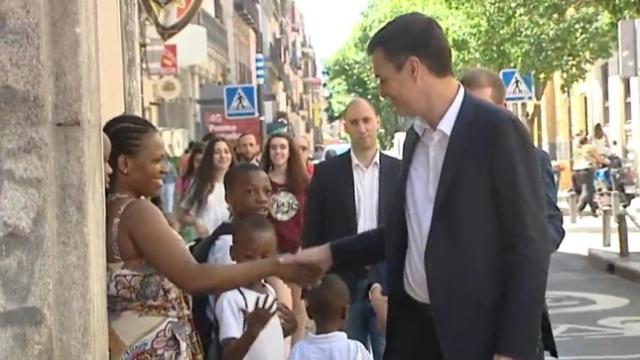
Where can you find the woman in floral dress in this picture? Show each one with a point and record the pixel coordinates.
(149, 265)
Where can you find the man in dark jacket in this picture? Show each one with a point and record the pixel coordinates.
(347, 196)
(465, 239)
(488, 86)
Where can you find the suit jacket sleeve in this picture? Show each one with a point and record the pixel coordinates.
(554, 215)
(313, 232)
(360, 250)
(525, 242)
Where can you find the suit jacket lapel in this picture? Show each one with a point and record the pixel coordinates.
(383, 191)
(349, 193)
(460, 137)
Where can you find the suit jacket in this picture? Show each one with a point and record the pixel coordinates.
(554, 215)
(488, 249)
(330, 212)
(556, 232)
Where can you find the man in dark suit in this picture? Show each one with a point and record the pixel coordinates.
(465, 237)
(347, 196)
(487, 85)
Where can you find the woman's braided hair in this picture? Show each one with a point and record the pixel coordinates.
(126, 133)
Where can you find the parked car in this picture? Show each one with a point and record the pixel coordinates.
(333, 149)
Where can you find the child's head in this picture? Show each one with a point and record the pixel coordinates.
(254, 238)
(106, 154)
(328, 303)
(248, 190)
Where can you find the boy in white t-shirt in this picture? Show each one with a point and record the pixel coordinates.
(328, 307)
(251, 325)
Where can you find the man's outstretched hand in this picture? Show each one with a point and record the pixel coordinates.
(306, 267)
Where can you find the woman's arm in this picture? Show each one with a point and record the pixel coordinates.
(163, 249)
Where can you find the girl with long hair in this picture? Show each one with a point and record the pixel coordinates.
(194, 159)
(281, 160)
(204, 205)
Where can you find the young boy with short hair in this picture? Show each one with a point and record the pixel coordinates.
(328, 307)
(248, 192)
(249, 325)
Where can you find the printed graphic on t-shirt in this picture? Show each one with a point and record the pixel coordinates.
(284, 205)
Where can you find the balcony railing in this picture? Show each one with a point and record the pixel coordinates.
(216, 32)
(248, 11)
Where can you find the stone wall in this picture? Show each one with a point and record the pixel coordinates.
(52, 272)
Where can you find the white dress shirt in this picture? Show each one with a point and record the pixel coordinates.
(422, 186)
(365, 191)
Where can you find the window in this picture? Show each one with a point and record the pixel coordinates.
(217, 8)
(627, 100)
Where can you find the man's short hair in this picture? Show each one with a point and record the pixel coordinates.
(414, 34)
(245, 134)
(355, 100)
(479, 78)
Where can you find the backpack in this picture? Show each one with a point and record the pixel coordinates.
(200, 252)
(214, 348)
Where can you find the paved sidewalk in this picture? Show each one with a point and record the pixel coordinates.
(585, 238)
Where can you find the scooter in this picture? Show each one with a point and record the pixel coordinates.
(615, 176)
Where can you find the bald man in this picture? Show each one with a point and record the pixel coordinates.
(347, 196)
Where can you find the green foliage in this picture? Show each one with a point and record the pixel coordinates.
(540, 36)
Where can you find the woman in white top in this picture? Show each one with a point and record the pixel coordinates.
(600, 141)
(204, 205)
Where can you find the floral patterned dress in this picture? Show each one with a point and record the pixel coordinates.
(149, 317)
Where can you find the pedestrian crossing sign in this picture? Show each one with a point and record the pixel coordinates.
(240, 101)
(517, 87)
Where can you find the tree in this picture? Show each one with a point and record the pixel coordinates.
(543, 37)
(350, 72)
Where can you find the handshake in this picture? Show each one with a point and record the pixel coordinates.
(307, 267)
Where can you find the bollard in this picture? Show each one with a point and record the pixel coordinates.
(606, 226)
(573, 206)
(623, 235)
(621, 219)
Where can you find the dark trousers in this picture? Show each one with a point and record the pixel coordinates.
(413, 334)
(361, 320)
(588, 190)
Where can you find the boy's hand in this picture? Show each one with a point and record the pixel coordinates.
(260, 316)
(287, 319)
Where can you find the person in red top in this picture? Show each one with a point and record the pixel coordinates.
(289, 180)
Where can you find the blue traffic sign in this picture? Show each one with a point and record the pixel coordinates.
(518, 87)
(260, 68)
(240, 101)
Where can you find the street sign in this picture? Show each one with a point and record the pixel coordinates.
(240, 101)
(260, 68)
(517, 87)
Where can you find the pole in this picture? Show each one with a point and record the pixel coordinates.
(623, 232)
(623, 235)
(606, 226)
(260, 75)
(129, 27)
(573, 206)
